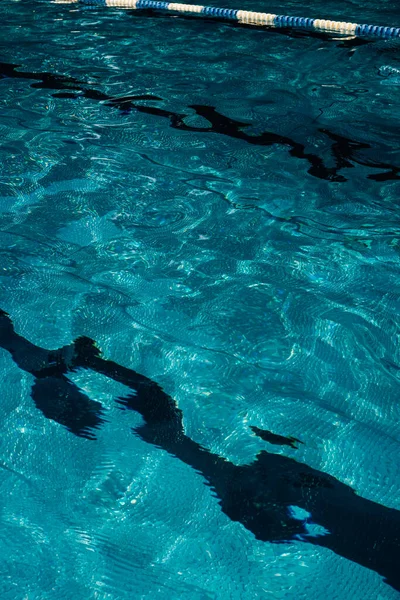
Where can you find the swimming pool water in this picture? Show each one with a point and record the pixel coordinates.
(217, 208)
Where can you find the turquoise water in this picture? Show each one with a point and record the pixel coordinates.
(216, 207)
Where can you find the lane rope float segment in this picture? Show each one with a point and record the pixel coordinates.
(250, 17)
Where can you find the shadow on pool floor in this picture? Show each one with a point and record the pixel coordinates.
(344, 152)
(259, 495)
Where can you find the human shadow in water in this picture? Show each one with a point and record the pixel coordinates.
(261, 495)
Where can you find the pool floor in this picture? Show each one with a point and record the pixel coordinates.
(199, 299)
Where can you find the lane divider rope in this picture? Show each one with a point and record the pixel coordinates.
(250, 17)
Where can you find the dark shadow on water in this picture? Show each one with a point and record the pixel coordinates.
(345, 153)
(260, 495)
(273, 438)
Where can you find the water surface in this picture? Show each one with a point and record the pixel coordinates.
(216, 206)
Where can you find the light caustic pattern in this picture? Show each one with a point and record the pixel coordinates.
(217, 207)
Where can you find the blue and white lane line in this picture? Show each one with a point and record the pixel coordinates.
(250, 17)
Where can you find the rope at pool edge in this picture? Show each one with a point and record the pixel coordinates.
(250, 18)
